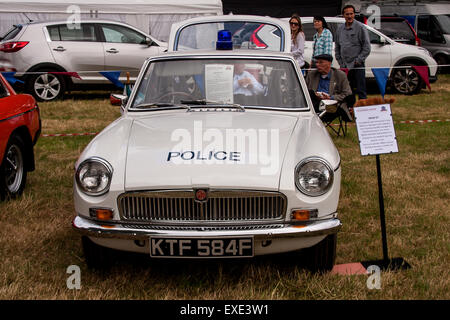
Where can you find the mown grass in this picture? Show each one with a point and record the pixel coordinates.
(37, 243)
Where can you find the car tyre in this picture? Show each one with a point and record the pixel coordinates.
(13, 173)
(96, 257)
(46, 86)
(321, 257)
(441, 60)
(406, 80)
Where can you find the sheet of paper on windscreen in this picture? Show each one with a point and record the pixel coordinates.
(219, 83)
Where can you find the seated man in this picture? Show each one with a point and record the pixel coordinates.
(244, 82)
(328, 83)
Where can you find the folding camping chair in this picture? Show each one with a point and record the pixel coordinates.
(339, 111)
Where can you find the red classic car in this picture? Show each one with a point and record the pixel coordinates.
(20, 126)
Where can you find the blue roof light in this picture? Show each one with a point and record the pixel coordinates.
(224, 40)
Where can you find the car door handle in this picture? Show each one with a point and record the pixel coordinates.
(60, 49)
(112, 50)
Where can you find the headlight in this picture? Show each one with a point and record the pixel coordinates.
(93, 176)
(313, 176)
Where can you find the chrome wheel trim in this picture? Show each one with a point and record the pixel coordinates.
(406, 80)
(47, 86)
(14, 168)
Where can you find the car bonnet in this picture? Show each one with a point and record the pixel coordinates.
(182, 149)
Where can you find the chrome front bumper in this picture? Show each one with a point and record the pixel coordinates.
(94, 229)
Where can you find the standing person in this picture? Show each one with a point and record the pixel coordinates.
(298, 39)
(323, 39)
(352, 49)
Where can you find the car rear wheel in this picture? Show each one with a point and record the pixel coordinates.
(321, 257)
(406, 80)
(441, 61)
(13, 174)
(46, 86)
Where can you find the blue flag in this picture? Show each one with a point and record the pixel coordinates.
(381, 76)
(9, 76)
(113, 76)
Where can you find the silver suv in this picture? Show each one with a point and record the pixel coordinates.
(92, 46)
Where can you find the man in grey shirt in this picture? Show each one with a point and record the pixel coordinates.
(351, 50)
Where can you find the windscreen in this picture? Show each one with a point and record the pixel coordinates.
(12, 33)
(247, 82)
(444, 21)
(245, 35)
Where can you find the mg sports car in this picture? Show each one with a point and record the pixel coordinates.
(218, 153)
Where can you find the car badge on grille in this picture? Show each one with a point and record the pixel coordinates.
(201, 195)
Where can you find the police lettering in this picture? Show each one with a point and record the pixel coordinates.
(211, 155)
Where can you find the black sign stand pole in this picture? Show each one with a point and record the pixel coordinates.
(386, 263)
(382, 216)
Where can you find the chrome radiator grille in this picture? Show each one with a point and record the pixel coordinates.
(220, 206)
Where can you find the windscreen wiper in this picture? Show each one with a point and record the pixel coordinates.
(151, 105)
(212, 104)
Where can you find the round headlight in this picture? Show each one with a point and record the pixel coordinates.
(93, 176)
(313, 176)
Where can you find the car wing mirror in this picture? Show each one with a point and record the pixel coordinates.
(148, 41)
(382, 41)
(118, 99)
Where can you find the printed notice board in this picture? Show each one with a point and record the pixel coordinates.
(375, 129)
(219, 83)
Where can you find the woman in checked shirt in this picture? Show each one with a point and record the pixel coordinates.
(323, 39)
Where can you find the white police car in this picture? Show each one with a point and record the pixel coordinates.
(218, 154)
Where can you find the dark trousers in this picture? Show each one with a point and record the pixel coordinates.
(357, 79)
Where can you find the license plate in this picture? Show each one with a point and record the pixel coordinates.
(183, 247)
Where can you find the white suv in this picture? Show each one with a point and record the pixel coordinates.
(385, 52)
(93, 46)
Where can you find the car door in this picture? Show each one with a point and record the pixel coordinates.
(77, 49)
(126, 49)
(380, 54)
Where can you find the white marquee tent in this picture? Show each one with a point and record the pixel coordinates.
(152, 16)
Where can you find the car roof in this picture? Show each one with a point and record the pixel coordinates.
(241, 53)
(83, 20)
(327, 19)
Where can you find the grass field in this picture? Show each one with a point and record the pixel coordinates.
(37, 242)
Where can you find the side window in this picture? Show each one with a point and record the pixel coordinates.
(3, 92)
(120, 34)
(397, 29)
(422, 27)
(435, 31)
(374, 38)
(86, 32)
(53, 31)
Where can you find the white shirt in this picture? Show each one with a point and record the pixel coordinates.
(298, 49)
(256, 88)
